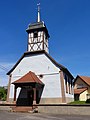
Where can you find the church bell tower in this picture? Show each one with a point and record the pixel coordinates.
(38, 35)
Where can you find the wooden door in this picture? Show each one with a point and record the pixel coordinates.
(30, 96)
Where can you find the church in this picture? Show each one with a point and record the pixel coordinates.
(37, 78)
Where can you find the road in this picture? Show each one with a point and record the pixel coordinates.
(4, 115)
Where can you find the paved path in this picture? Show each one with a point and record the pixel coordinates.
(4, 115)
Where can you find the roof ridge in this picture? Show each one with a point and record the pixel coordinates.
(34, 77)
(84, 80)
(30, 72)
(85, 76)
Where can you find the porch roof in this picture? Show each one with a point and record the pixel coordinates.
(79, 90)
(30, 77)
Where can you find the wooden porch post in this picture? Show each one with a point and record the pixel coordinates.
(15, 92)
(34, 100)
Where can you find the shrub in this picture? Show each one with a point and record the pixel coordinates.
(88, 100)
(3, 93)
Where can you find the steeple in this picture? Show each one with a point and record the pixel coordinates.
(38, 17)
(38, 35)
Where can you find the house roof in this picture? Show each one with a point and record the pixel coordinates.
(84, 79)
(79, 91)
(30, 77)
(42, 52)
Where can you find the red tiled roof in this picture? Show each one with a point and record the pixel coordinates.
(28, 78)
(79, 91)
(85, 79)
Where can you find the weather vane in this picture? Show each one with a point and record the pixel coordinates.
(38, 6)
(38, 19)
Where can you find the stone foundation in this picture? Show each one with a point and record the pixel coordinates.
(68, 100)
(50, 101)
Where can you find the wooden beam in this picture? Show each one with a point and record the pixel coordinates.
(62, 87)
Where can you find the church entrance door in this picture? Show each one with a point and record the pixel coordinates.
(30, 96)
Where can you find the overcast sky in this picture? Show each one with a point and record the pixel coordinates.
(68, 23)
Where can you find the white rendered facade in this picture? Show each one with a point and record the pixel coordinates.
(40, 65)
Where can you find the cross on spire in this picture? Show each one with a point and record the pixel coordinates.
(38, 18)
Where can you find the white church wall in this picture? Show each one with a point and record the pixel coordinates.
(39, 64)
(52, 87)
(12, 91)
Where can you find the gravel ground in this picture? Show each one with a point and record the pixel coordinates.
(5, 115)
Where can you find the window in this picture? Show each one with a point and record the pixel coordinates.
(35, 34)
(46, 37)
(69, 84)
(69, 88)
(80, 86)
(66, 82)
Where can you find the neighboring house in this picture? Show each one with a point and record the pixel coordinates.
(5, 87)
(37, 77)
(82, 88)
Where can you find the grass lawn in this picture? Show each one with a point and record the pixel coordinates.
(78, 103)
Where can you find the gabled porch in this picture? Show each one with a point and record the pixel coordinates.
(31, 91)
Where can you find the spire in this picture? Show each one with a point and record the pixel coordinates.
(38, 19)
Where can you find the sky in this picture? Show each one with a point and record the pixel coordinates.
(68, 23)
